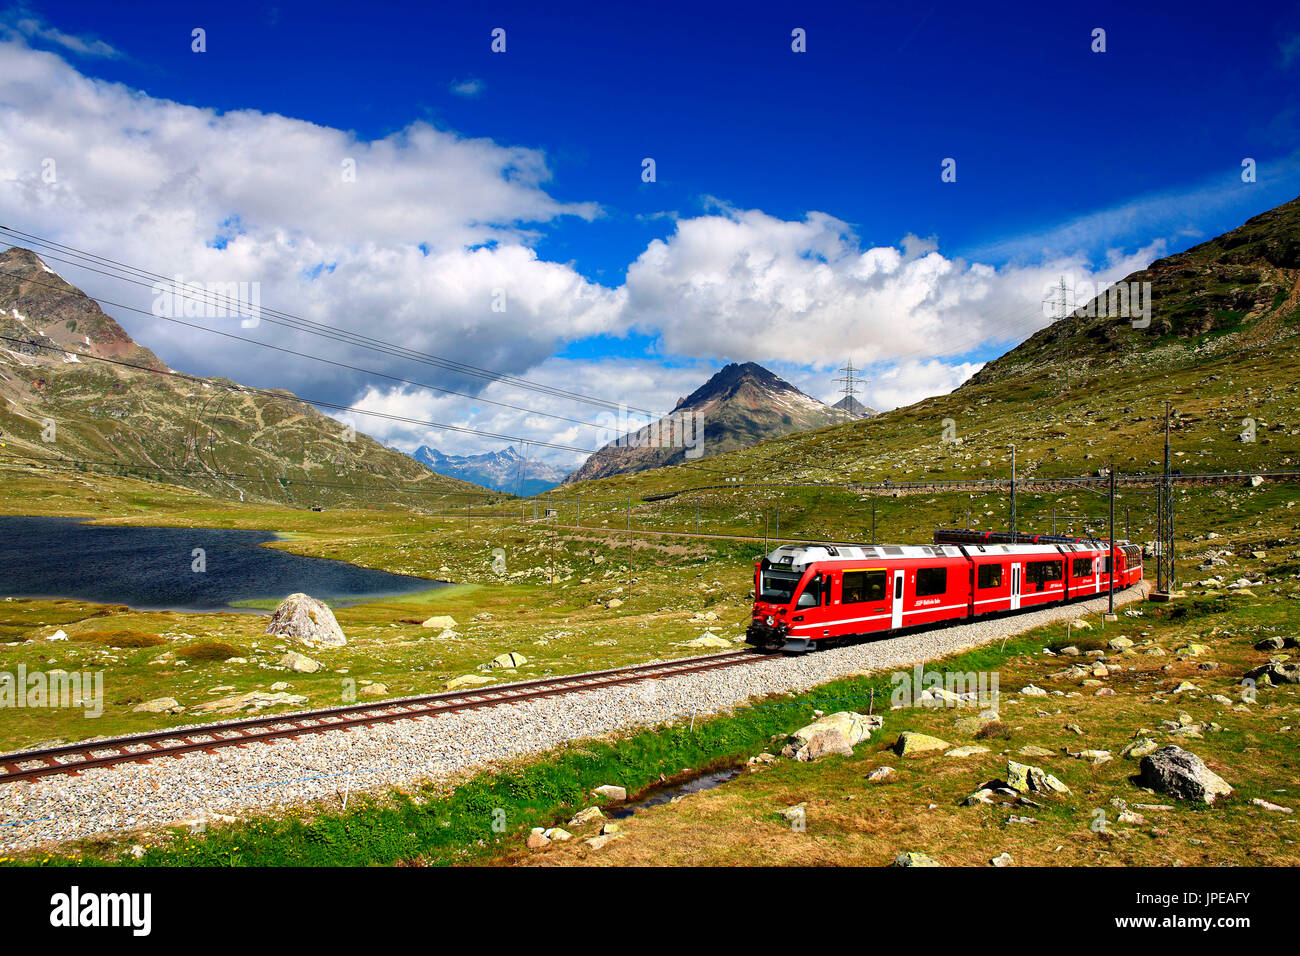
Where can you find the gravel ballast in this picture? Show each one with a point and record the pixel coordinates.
(236, 781)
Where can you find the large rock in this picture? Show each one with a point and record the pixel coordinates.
(444, 621)
(300, 663)
(255, 701)
(910, 742)
(512, 659)
(915, 859)
(1182, 774)
(302, 618)
(854, 727)
(1026, 779)
(467, 680)
(159, 705)
(611, 792)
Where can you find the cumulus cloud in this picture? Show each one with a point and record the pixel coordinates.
(746, 284)
(421, 238)
(426, 239)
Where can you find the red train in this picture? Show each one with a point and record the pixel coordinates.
(821, 594)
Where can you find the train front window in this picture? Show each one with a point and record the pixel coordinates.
(778, 586)
(812, 594)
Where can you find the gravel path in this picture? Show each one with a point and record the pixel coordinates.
(261, 777)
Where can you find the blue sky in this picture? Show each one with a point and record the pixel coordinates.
(1066, 158)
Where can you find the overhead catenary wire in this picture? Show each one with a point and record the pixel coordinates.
(129, 273)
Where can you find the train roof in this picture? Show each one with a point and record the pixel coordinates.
(801, 555)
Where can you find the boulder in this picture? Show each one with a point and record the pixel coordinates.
(255, 701)
(1139, 748)
(443, 621)
(1029, 750)
(467, 680)
(159, 705)
(613, 603)
(828, 741)
(611, 792)
(1023, 778)
(300, 663)
(1119, 643)
(914, 859)
(512, 659)
(374, 690)
(303, 618)
(1182, 774)
(852, 728)
(1002, 859)
(599, 842)
(557, 834)
(968, 751)
(880, 773)
(538, 840)
(910, 742)
(1029, 690)
(586, 816)
(708, 640)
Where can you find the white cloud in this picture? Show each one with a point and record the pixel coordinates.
(468, 88)
(435, 226)
(19, 23)
(744, 284)
(433, 233)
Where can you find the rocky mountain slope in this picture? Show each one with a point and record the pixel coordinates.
(738, 407)
(64, 408)
(1221, 348)
(1236, 291)
(504, 470)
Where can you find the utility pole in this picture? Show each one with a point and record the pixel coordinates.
(1013, 492)
(1110, 613)
(850, 383)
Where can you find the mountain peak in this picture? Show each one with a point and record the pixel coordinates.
(740, 405)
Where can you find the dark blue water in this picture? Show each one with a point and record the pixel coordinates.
(152, 568)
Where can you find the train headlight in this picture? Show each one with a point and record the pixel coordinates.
(770, 620)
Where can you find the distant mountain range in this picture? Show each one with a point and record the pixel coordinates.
(505, 470)
(739, 406)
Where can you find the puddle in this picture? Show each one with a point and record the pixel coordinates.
(663, 793)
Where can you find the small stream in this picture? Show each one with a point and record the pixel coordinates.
(657, 796)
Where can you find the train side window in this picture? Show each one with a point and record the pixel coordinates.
(858, 587)
(990, 575)
(1040, 572)
(1106, 566)
(1082, 567)
(931, 581)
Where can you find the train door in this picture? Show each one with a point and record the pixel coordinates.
(897, 620)
(1015, 587)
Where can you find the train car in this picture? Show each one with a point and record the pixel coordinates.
(820, 594)
(807, 594)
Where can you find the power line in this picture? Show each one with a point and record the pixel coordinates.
(284, 397)
(307, 355)
(128, 273)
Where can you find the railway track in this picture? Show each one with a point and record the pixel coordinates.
(73, 758)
